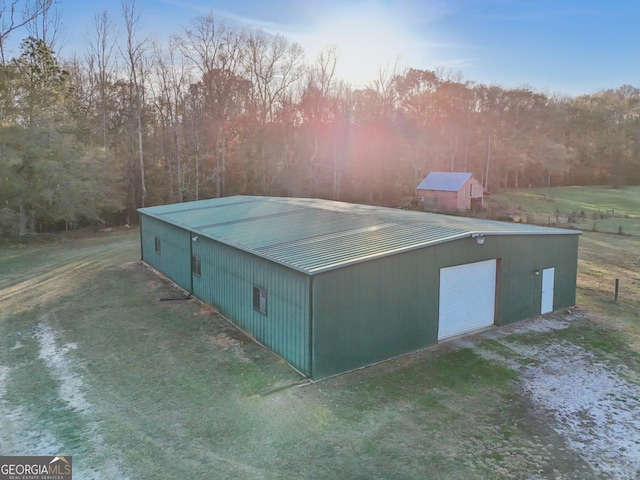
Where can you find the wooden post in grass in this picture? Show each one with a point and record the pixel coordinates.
(615, 295)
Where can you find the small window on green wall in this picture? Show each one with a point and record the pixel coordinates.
(260, 300)
(158, 245)
(195, 265)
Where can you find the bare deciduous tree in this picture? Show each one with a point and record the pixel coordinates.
(134, 54)
(274, 65)
(216, 50)
(47, 25)
(171, 77)
(100, 45)
(15, 14)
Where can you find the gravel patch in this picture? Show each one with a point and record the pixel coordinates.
(543, 325)
(596, 410)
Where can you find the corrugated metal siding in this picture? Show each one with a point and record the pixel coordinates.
(173, 259)
(371, 311)
(521, 289)
(227, 280)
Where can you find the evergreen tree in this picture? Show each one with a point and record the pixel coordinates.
(51, 175)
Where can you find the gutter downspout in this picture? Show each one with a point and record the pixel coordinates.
(311, 327)
(190, 263)
(141, 244)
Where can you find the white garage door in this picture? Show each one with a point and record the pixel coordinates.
(467, 298)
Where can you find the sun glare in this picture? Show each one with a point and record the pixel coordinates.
(368, 37)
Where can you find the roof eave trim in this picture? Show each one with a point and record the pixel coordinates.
(550, 231)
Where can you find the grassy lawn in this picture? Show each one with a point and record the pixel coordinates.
(94, 365)
(602, 209)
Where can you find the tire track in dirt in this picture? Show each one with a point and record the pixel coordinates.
(19, 436)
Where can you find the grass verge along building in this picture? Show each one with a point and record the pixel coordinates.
(332, 286)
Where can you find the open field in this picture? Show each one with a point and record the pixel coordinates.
(601, 209)
(94, 365)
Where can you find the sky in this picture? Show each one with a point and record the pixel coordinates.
(571, 47)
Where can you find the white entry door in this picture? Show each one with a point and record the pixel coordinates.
(548, 280)
(467, 298)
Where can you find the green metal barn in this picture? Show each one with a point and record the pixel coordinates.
(332, 286)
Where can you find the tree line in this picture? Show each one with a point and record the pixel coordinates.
(218, 110)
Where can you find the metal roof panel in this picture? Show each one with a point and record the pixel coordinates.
(314, 235)
(444, 181)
